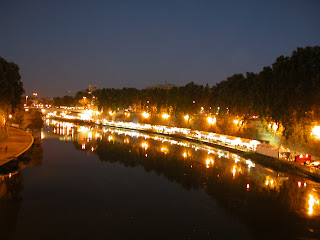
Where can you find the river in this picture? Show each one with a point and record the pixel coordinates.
(82, 182)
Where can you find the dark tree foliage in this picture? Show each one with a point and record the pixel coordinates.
(176, 99)
(287, 92)
(32, 120)
(11, 88)
(64, 101)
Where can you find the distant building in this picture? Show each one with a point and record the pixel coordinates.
(93, 88)
(166, 87)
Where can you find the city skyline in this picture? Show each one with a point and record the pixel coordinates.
(63, 47)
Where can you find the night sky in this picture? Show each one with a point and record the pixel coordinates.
(67, 45)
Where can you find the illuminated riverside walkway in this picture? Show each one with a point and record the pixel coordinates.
(225, 142)
(18, 142)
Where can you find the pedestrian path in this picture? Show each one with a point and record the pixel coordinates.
(18, 142)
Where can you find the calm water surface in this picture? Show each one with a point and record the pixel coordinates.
(88, 182)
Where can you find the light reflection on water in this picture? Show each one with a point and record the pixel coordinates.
(267, 202)
(257, 175)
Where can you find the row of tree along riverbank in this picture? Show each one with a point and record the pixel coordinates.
(285, 95)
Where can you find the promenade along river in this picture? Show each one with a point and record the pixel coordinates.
(85, 182)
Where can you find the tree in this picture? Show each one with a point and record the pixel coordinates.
(11, 87)
(33, 120)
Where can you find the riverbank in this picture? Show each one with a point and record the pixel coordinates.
(18, 142)
(269, 162)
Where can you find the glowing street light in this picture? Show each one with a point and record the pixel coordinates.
(275, 127)
(186, 117)
(164, 150)
(145, 145)
(146, 114)
(209, 161)
(165, 116)
(316, 132)
(211, 120)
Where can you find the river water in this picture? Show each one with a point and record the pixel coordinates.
(83, 182)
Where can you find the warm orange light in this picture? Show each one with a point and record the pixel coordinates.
(234, 170)
(316, 132)
(312, 202)
(165, 116)
(164, 150)
(145, 145)
(211, 120)
(209, 161)
(146, 115)
(186, 117)
(275, 127)
(236, 121)
(10, 115)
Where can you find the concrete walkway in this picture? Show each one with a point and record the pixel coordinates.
(18, 142)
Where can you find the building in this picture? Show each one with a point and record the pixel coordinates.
(93, 88)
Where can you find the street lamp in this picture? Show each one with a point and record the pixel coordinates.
(165, 116)
(146, 114)
(316, 132)
(211, 120)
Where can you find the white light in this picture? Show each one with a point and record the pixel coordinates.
(211, 120)
(165, 116)
(146, 115)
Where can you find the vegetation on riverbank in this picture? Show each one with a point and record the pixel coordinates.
(280, 104)
(11, 90)
(11, 109)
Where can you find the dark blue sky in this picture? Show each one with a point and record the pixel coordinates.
(66, 45)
